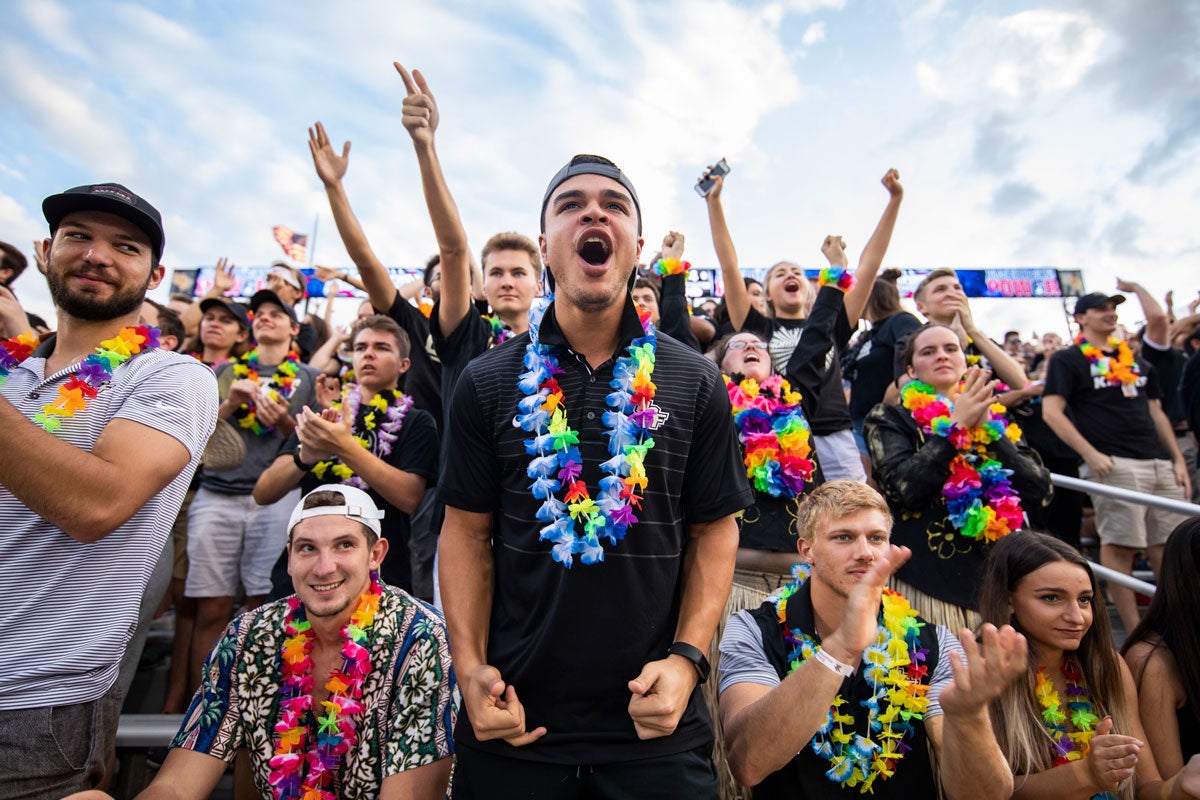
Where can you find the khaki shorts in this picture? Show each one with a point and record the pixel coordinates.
(1126, 524)
(179, 569)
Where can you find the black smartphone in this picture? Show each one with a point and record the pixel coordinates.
(704, 185)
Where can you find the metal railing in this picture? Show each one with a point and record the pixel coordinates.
(1130, 496)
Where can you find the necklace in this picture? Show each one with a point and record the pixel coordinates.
(389, 404)
(980, 500)
(1078, 713)
(1122, 371)
(501, 333)
(94, 372)
(556, 460)
(774, 435)
(279, 387)
(892, 668)
(310, 772)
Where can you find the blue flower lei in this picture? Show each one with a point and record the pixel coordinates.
(556, 461)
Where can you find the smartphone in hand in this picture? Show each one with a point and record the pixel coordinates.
(705, 184)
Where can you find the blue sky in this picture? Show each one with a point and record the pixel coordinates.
(1055, 133)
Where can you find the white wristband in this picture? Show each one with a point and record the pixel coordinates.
(845, 670)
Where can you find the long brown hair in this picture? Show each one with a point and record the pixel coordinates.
(1016, 715)
(884, 300)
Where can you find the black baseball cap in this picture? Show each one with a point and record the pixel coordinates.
(232, 306)
(267, 296)
(591, 165)
(1097, 299)
(114, 199)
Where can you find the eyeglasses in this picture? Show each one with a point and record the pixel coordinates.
(743, 344)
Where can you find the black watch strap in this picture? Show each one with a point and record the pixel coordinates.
(300, 464)
(692, 654)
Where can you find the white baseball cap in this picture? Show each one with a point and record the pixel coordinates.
(358, 506)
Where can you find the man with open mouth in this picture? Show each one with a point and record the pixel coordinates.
(592, 477)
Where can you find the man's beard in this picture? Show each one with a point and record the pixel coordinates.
(83, 306)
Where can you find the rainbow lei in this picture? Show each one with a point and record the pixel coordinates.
(893, 669)
(670, 266)
(1121, 371)
(1078, 713)
(93, 374)
(556, 460)
(393, 405)
(501, 333)
(980, 500)
(774, 435)
(836, 276)
(310, 772)
(280, 387)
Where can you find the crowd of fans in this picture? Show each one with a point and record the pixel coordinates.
(303, 496)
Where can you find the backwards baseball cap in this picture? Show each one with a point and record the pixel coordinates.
(267, 296)
(232, 306)
(114, 199)
(357, 506)
(1097, 299)
(591, 165)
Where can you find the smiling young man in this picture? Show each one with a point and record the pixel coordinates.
(102, 432)
(581, 605)
(378, 440)
(834, 684)
(343, 690)
(1119, 429)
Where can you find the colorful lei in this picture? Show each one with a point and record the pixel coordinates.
(1121, 371)
(304, 769)
(670, 266)
(556, 460)
(893, 669)
(393, 405)
(93, 374)
(500, 332)
(1078, 714)
(774, 435)
(980, 500)
(280, 386)
(836, 276)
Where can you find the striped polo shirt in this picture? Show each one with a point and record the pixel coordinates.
(70, 608)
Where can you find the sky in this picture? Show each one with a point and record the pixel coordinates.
(1053, 133)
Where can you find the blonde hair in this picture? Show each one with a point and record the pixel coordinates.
(835, 500)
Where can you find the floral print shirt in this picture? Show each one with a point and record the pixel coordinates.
(411, 696)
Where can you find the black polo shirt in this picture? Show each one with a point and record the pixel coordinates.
(423, 381)
(569, 641)
(470, 338)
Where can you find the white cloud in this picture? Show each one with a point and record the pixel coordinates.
(811, 6)
(930, 80)
(813, 33)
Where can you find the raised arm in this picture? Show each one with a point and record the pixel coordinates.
(1157, 322)
(737, 299)
(421, 120)
(872, 255)
(673, 317)
(222, 283)
(331, 168)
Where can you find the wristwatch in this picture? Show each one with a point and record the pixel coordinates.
(692, 654)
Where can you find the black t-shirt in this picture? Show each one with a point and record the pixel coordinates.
(1114, 424)
(423, 381)
(1189, 392)
(1169, 365)
(874, 365)
(570, 640)
(415, 451)
(831, 413)
(470, 338)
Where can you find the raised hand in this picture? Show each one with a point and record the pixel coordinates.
(891, 182)
(419, 109)
(859, 622)
(714, 193)
(494, 710)
(1113, 757)
(330, 166)
(672, 245)
(1127, 286)
(987, 671)
(834, 249)
(223, 276)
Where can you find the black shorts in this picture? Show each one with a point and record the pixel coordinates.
(484, 776)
